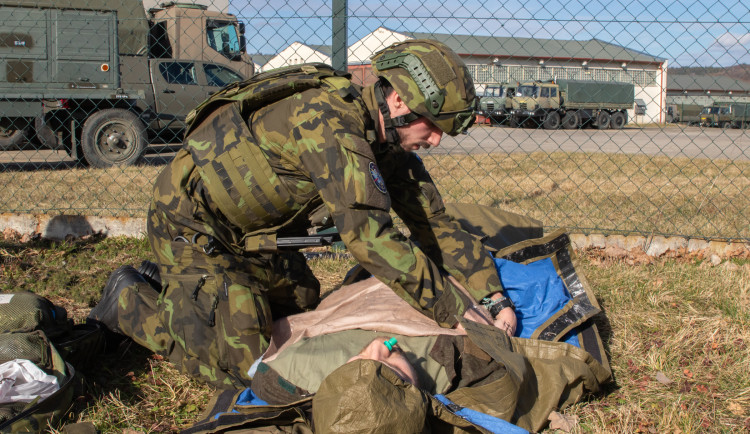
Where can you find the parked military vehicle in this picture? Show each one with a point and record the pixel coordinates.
(715, 116)
(103, 79)
(494, 103)
(684, 113)
(572, 104)
(726, 116)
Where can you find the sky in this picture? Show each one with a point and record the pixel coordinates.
(708, 33)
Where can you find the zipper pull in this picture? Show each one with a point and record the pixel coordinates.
(212, 315)
(198, 287)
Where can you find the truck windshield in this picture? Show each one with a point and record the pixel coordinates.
(223, 37)
(495, 92)
(710, 111)
(528, 91)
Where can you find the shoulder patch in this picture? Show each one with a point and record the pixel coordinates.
(377, 178)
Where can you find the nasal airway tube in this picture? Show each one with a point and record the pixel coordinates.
(390, 343)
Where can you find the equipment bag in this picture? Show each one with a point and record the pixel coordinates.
(33, 328)
(35, 416)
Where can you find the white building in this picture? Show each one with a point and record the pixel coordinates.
(496, 60)
(297, 53)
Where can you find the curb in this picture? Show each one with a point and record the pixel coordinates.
(61, 227)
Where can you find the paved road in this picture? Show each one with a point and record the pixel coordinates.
(672, 141)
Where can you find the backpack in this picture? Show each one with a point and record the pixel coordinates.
(264, 89)
(34, 329)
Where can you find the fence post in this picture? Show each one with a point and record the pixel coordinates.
(339, 43)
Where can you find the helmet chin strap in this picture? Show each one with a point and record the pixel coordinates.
(391, 123)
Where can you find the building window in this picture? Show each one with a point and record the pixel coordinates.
(493, 75)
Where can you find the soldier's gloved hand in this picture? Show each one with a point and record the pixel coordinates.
(506, 320)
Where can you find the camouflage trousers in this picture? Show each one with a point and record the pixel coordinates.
(214, 315)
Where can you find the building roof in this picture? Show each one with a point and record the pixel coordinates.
(325, 49)
(262, 59)
(537, 48)
(693, 82)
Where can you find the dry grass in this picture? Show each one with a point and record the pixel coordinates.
(606, 193)
(679, 345)
(586, 192)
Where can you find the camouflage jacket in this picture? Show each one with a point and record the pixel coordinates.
(318, 147)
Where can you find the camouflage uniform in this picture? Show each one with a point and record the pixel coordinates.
(241, 180)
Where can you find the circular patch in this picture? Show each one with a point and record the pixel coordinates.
(377, 178)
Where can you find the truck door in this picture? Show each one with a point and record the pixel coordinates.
(177, 90)
(554, 98)
(548, 98)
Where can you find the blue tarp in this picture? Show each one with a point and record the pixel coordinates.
(490, 423)
(537, 291)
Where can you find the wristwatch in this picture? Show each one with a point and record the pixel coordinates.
(495, 306)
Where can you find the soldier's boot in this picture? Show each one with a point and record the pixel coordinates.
(105, 312)
(150, 271)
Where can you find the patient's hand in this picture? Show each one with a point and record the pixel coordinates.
(506, 320)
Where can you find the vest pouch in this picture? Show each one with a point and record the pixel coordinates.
(26, 311)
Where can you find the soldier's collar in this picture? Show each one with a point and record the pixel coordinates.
(371, 106)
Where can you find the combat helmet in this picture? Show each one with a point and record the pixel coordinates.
(433, 82)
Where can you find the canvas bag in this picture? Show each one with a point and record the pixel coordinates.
(28, 324)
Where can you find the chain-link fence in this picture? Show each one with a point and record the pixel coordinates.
(614, 117)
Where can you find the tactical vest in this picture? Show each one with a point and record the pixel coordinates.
(227, 155)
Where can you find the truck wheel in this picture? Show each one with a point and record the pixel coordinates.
(618, 120)
(513, 122)
(11, 136)
(570, 120)
(602, 120)
(113, 137)
(552, 121)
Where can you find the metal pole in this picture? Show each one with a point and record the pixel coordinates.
(339, 45)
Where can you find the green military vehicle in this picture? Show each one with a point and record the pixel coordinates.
(715, 116)
(726, 116)
(102, 79)
(684, 113)
(572, 104)
(495, 103)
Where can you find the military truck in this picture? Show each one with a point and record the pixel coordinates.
(726, 116)
(684, 113)
(572, 104)
(102, 79)
(494, 103)
(715, 116)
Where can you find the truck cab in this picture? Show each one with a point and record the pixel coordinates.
(190, 31)
(716, 116)
(534, 100)
(495, 103)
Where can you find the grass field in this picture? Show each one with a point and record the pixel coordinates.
(601, 193)
(678, 337)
